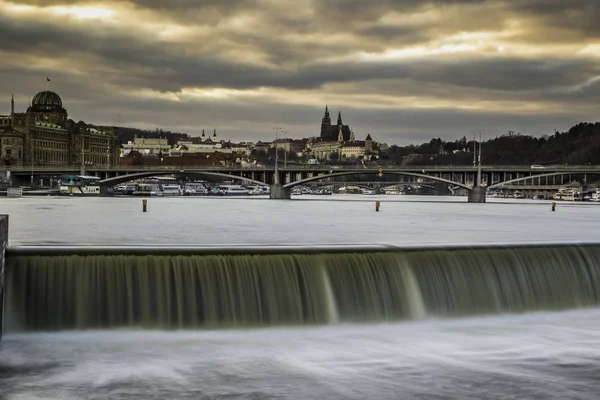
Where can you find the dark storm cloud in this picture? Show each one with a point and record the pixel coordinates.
(331, 48)
(159, 67)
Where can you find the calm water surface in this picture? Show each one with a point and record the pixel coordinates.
(333, 219)
(527, 356)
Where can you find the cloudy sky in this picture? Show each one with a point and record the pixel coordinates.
(403, 70)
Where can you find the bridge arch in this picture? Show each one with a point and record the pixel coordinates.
(137, 175)
(367, 172)
(525, 178)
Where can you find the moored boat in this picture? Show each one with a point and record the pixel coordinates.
(79, 185)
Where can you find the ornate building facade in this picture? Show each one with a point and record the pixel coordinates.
(49, 138)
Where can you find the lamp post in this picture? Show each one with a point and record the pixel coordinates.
(276, 177)
(477, 155)
(31, 155)
(285, 150)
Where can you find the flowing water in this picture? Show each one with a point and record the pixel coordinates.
(496, 321)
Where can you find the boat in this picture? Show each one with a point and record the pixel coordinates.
(171, 190)
(322, 191)
(595, 195)
(79, 185)
(518, 195)
(567, 194)
(126, 189)
(234, 190)
(259, 191)
(147, 189)
(195, 189)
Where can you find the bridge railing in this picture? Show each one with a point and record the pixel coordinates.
(419, 168)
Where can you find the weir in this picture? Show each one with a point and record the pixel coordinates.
(72, 288)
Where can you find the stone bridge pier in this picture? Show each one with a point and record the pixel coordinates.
(280, 192)
(476, 195)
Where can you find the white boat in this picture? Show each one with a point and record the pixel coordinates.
(195, 189)
(368, 191)
(171, 190)
(259, 191)
(234, 190)
(595, 196)
(567, 194)
(79, 185)
(518, 195)
(126, 189)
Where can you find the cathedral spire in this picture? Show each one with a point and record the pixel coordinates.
(12, 105)
(326, 111)
(339, 118)
(202, 132)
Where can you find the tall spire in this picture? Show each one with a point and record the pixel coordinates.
(215, 133)
(12, 105)
(339, 118)
(202, 132)
(326, 111)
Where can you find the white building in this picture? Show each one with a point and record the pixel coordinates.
(146, 146)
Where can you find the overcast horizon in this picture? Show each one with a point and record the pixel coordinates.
(403, 71)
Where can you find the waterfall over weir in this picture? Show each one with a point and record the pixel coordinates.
(91, 288)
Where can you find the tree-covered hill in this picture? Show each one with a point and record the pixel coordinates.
(578, 146)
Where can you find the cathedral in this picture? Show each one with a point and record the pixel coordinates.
(335, 133)
(339, 142)
(45, 136)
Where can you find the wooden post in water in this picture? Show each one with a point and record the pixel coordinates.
(553, 206)
(144, 204)
(377, 204)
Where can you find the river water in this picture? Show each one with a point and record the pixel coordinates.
(535, 355)
(309, 220)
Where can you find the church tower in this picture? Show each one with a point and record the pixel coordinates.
(12, 110)
(369, 144)
(325, 124)
(339, 122)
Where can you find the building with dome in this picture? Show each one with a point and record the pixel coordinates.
(49, 138)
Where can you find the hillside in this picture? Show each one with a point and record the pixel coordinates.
(128, 134)
(580, 145)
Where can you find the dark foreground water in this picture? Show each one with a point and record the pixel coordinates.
(533, 356)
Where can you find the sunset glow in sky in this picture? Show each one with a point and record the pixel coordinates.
(404, 71)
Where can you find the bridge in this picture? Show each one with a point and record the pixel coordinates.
(475, 180)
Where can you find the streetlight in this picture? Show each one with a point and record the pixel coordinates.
(477, 157)
(276, 177)
(285, 150)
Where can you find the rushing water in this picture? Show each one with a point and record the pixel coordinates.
(58, 292)
(343, 350)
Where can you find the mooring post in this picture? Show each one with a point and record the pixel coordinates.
(377, 204)
(553, 206)
(3, 246)
(144, 204)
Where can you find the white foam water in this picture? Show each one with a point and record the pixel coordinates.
(536, 355)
